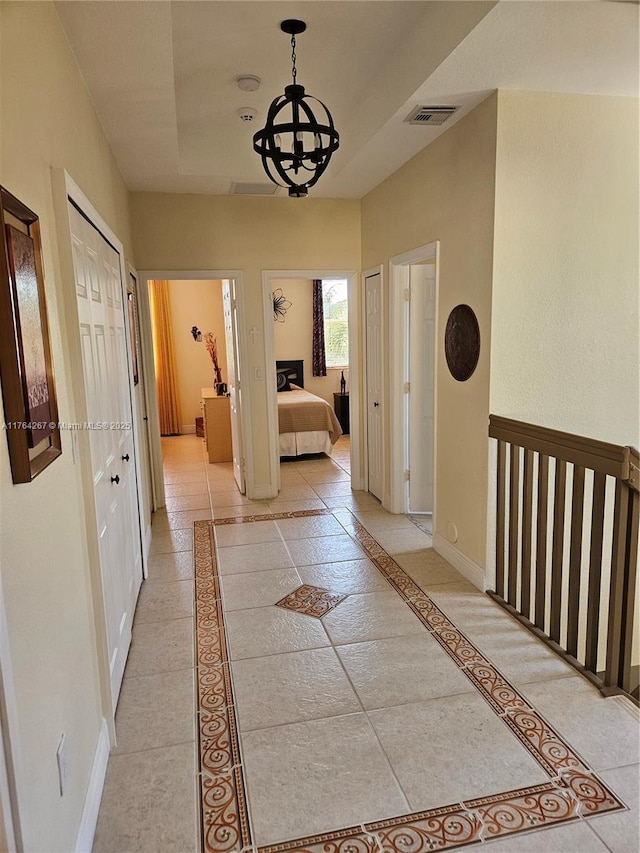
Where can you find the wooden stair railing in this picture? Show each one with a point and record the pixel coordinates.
(567, 517)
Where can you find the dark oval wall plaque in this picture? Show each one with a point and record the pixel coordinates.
(462, 342)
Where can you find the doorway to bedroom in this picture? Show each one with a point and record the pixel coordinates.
(197, 347)
(310, 330)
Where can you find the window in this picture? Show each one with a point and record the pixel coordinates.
(336, 324)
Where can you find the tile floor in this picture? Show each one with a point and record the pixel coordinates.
(345, 720)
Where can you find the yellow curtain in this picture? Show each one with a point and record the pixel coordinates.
(164, 358)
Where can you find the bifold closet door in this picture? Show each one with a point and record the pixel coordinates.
(103, 324)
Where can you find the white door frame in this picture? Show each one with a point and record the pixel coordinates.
(150, 376)
(398, 367)
(355, 388)
(10, 772)
(133, 273)
(379, 270)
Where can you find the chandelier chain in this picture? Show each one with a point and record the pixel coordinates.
(293, 58)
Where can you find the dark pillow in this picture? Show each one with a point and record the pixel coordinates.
(282, 382)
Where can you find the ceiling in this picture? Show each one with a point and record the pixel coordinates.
(162, 75)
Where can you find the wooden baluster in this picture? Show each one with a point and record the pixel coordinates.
(514, 490)
(618, 552)
(541, 539)
(575, 559)
(500, 518)
(629, 682)
(595, 571)
(527, 513)
(558, 548)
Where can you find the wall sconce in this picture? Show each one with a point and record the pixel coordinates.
(197, 334)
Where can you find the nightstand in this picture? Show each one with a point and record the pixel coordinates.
(217, 426)
(341, 408)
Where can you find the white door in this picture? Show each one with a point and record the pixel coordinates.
(373, 396)
(422, 283)
(103, 328)
(234, 380)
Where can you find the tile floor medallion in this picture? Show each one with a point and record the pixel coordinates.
(573, 792)
(311, 601)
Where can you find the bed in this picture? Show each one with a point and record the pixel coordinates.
(306, 423)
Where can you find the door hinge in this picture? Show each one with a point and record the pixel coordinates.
(407, 387)
(407, 475)
(407, 295)
(242, 463)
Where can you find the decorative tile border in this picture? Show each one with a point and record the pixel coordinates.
(573, 792)
(224, 817)
(311, 601)
(273, 516)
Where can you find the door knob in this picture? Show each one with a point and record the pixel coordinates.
(376, 405)
(115, 479)
(125, 458)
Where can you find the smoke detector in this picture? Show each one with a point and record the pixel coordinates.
(247, 113)
(248, 82)
(430, 115)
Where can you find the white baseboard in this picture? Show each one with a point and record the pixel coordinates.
(187, 429)
(472, 571)
(84, 841)
(262, 493)
(146, 547)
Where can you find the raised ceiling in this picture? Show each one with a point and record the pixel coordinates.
(162, 75)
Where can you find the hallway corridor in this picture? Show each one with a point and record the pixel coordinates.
(353, 690)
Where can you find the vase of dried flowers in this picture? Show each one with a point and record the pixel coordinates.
(211, 346)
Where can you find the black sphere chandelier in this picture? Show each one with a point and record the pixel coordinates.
(295, 146)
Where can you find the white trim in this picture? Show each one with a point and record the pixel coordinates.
(150, 393)
(273, 487)
(355, 386)
(152, 411)
(89, 820)
(270, 365)
(242, 369)
(187, 429)
(262, 493)
(364, 450)
(472, 571)
(10, 776)
(79, 198)
(143, 497)
(398, 335)
(492, 513)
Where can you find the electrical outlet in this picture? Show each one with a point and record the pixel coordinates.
(63, 765)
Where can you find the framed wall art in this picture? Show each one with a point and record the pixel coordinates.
(28, 389)
(462, 342)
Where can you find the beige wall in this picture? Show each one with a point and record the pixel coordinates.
(446, 193)
(195, 303)
(249, 234)
(48, 121)
(293, 339)
(565, 298)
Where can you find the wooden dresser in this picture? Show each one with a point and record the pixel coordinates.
(217, 426)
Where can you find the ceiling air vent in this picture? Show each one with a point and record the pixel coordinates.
(253, 189)
(430, 115)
